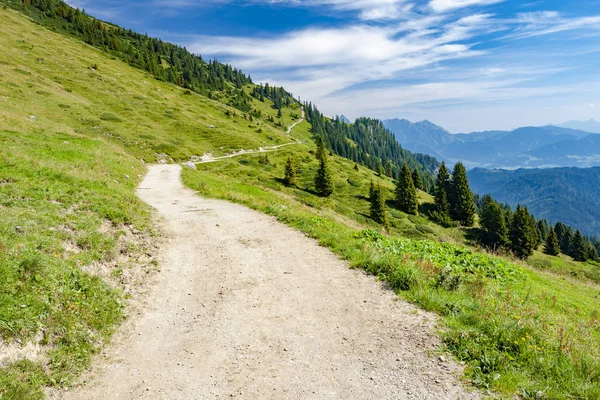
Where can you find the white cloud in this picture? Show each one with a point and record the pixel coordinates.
(450, 5)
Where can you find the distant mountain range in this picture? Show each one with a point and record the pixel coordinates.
(588, 126)
(527, 147)
(569, 195)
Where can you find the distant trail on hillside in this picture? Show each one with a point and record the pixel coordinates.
(247, 307)
(208, 158)
(292, 126)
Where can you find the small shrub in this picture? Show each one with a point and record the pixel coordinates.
(403, 278)
(448, 280)
(110, 117)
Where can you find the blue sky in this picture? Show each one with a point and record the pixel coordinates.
(467, 65)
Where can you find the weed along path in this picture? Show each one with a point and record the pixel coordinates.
(246, 307)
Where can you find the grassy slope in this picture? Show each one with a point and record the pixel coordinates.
(63, 176)
(71, 171)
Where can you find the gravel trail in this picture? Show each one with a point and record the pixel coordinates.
(246, 307)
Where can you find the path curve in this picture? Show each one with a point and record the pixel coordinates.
(247, 307)
(208, 158)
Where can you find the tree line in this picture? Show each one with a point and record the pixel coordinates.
(501, 227)
(163, 60)
(369, 143)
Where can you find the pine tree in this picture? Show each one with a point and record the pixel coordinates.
(522, 233)
(406, 194)
(378, 208)
(591, 252)
(565, 242)
(323, 180)
(389, 168)
(441, 191)
(462, 206)
(320, 148)
(551, 247)
(290, 173)
(417, 179)
(495, 232)
(578, 250)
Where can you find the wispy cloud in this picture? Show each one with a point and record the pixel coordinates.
(450, 5)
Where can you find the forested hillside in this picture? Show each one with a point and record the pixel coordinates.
(570, 195)
(369, 143)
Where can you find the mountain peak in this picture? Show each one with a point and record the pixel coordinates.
(344, 119)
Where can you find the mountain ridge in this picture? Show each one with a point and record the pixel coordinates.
(496, 148)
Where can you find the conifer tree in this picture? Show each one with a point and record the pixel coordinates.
(290, 173)
(495, 232)
(406, 194)
(551, 247)
(323, 180)
(441, 191)
(565, 242)
(320, 148)
(389, 169)
(462, 206)
(578, 249)
(522, 233)
(378, 208)
(417, 179)
(591, 252)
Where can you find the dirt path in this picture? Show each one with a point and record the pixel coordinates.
(292, 126)
(247, 307)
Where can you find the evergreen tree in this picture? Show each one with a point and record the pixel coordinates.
(417, 179)
(565, 243)
(389, 169)
(522, 233)
(462, 206)
(542, 228)
(591, 252)
(320, 148)
(495, 232)
(323, 180)
(406, 194)
(578, 248)
(560, 229)
(290, 173)
(441, 191)
(378, 208)
(551, 247)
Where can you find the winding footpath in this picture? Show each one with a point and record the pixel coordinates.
(208, 158)
(247, 307)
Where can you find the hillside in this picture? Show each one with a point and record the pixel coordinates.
(569, 195)
(77, 128)
(526, 147)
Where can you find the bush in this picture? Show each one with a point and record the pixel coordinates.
(110, 117)
(403, 278)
